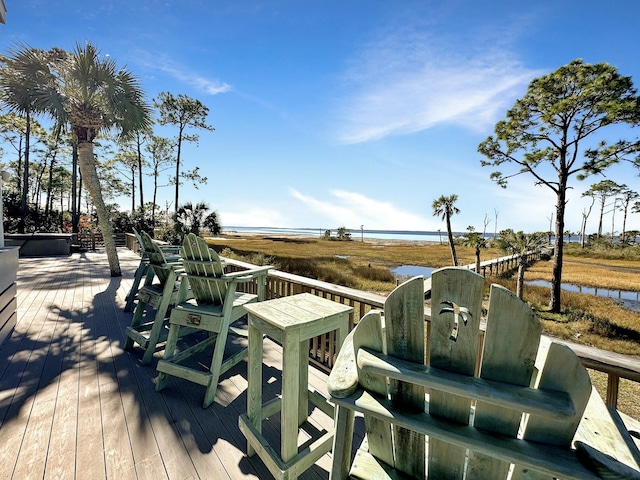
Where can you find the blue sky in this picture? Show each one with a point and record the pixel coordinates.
(358, 112)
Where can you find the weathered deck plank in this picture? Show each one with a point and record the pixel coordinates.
(74, 404)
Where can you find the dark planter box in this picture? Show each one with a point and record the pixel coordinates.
(40, 244)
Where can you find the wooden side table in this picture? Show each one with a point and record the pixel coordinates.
(292, 321)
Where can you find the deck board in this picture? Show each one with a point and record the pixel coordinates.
(74, 404)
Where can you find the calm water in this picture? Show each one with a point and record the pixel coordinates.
(601, 292)
(628, 299)
(408, 235)
(410, 271)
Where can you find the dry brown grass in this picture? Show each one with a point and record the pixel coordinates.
(586, 319)
(611, 274)
(345, 262)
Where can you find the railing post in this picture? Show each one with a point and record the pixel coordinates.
(613, 385)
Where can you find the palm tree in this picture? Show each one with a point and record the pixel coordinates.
(444, 207)
(212, 222)
(190, 218)
(519, 243)
(475, 240)
(18, 76)
(92, 95)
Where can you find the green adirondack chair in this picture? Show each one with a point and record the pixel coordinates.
(161, 290)
(215, 305)
(517, 418)
(171, 255)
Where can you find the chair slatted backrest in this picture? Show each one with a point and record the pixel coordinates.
(513, 353)
(202, 264)
(156, 257)
(140, 244)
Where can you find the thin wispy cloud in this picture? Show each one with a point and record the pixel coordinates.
(208, 86)
(407, 82)
(195, 80)
(352, 209)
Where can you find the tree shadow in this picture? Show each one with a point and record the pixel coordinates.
(68, 344)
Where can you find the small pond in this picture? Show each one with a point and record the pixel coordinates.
(410, 271)
(628, 299)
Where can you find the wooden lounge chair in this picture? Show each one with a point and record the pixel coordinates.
(517, 417)
(171, 254)
(159, 295)
(215, 306)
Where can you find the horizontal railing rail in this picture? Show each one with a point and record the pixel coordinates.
(497, 266)
(323, 349)
(616, 366)
(93, 240)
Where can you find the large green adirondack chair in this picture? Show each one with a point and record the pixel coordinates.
(522, 417)
(161, 290)
(171, 255)
(215, 306)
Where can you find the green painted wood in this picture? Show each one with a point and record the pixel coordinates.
(456, 308)
(510, 363)
(214, 306)
(520, 372)
(369, 334)
(404, 328)
(504, 396)
(293, 320)
(160, 296)
(604, 428)
(550, 459)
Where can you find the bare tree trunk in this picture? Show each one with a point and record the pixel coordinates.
(140, 175)
(75, 212)
(90, 178)
(155, 194)
(178, 169)
(25, 176)
(604, 198)
(623, 234)
(133, 190)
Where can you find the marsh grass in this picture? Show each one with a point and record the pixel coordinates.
(598, 321)
(586, 319)
(588, 273)
(355, 264)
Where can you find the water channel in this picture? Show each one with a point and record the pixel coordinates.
(628, 299)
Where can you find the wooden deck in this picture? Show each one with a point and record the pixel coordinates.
(74, 404)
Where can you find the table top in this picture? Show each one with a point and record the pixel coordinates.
(297, 311)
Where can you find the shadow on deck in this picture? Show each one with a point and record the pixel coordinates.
(74, 404)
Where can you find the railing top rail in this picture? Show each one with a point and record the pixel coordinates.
(358, 295)
(626, 366)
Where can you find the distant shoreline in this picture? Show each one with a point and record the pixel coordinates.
(228, 234)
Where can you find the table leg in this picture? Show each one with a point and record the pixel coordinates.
(303, 362)
(254, 379)
(291, 388)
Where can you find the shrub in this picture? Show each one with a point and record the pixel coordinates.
(374, 273)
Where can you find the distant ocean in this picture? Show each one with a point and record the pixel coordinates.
(408, 235)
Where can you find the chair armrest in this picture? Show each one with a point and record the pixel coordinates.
(343, 379)
(246, 275)
(243, 276)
